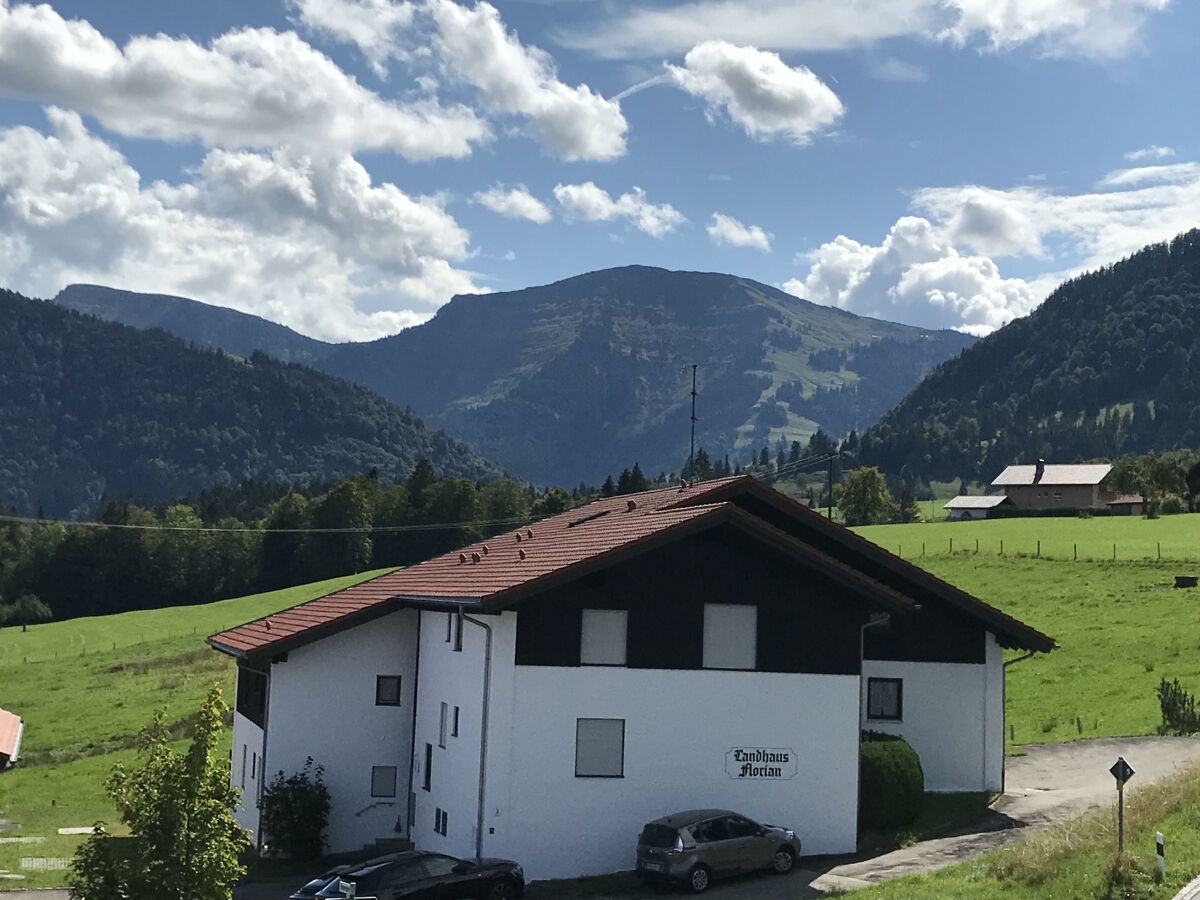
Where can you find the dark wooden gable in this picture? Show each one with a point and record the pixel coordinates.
(806, 623)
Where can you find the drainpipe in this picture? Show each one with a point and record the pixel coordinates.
(483, 730)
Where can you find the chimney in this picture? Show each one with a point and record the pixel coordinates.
(1039, 470)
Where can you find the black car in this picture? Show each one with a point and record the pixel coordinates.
(417, 875)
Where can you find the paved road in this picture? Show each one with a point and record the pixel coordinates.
(1051, 783)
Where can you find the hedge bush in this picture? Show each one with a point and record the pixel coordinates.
(891, 782)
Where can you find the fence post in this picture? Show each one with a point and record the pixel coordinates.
(976, 545)
(1001, 546)
(1159, 549)
(1114, 551)
(1039, 549)
(1076, 551)
(922, 548)
(951, 546)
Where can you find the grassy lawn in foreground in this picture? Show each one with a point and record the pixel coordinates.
(1135, 538)
(84, 702)
(1074, 861)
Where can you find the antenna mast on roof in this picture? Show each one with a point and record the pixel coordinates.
(692, 450)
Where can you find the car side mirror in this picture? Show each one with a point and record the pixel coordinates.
(762, 832)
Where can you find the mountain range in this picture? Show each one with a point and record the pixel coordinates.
(1108, 365)
(571, 381)
(91, 409)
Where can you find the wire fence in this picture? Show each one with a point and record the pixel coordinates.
(1047, 548)
(83, 646)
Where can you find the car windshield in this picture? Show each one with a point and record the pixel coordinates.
(658, 836)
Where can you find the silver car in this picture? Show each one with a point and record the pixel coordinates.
(694, 847)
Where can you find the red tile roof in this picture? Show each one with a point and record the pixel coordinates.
(558, 543)
(10, 733)
(500, 569)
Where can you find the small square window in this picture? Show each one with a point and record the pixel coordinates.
(387, 690)
(885, 699)
(443, 725)
(383, 781)
(599, 748)
(730, 636)
(454, 724)
(441, 821)
(602, 637)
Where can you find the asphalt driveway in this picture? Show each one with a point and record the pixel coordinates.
(1051, 783)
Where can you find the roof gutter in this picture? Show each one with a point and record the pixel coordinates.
(483, 730)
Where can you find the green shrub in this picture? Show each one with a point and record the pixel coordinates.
(295, 812)
(1179, 714)
(891, 782)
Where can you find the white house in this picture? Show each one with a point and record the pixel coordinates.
(541, 695)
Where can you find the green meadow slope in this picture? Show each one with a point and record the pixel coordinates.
(86, 687)
(1120, 627)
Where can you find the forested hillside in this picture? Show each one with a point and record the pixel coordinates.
(565, 382)
(1108, 365)
(92, 409)
(234, 332)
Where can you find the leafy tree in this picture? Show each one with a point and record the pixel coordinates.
(503, 499)
(178, 806)
(1193, 485)
(344, 506)
(905, 504)
(27, 610)
(863, 496)
(284, 560)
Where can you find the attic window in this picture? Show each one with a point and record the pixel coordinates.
(595, 515)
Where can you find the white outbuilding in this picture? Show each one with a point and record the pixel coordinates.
(542, 694)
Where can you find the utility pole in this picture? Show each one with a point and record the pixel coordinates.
(692, 449)
(829, 500)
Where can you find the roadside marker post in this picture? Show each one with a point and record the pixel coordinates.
(1162, 856)
(1122, 772)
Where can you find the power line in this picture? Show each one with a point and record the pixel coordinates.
(25, 520)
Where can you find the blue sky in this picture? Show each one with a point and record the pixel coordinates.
(345, 166)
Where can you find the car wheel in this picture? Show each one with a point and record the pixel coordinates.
(698, 879)
(785, 859)
(502, 890)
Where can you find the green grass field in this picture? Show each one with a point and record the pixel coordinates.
(1175, 537)
(86, 687)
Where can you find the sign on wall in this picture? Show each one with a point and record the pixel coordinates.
(761, 763)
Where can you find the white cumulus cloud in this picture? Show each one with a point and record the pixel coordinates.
(593, 204)
(373, 25)
(1152, 152)
(728, 231)
(914, 276)
(758, 91)
(311, 241)
(253, 87)
(574, 122)
(1091, 28)
(514, 203)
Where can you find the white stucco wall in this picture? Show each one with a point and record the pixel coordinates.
(679, 725)
(245, 771)
(322, 704)
(455, 678)
(953, 717)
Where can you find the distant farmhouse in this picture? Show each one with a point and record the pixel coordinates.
(542, 694)
(11, 729)
(1042, 486)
